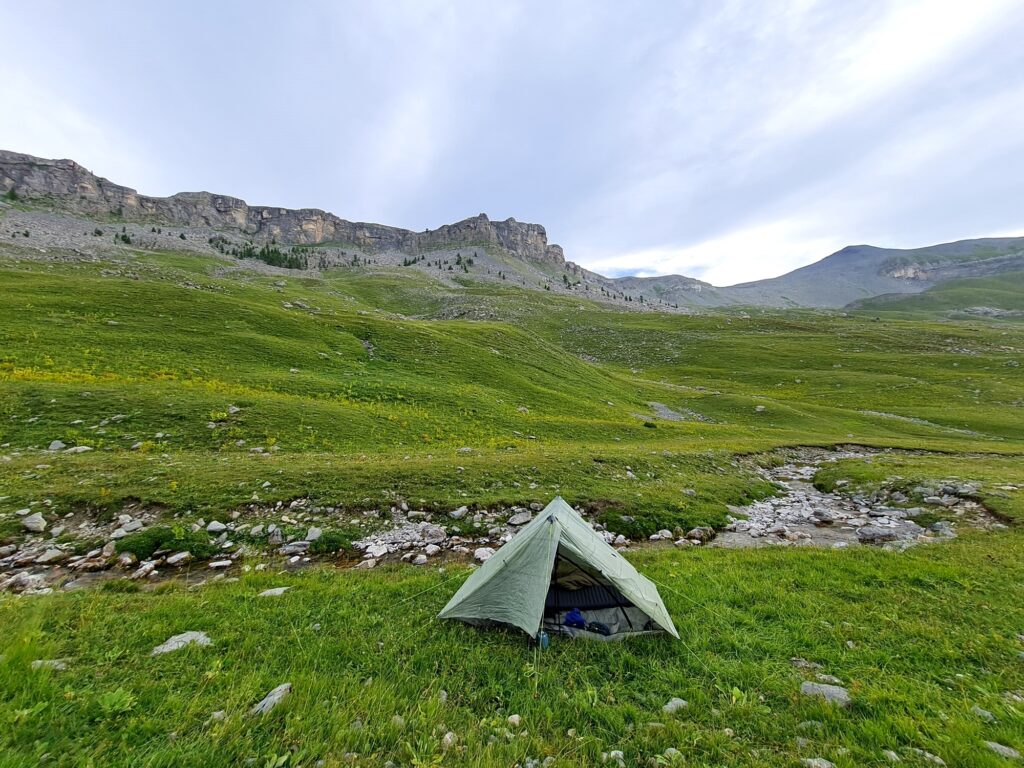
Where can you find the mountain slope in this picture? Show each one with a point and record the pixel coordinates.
(58, 200)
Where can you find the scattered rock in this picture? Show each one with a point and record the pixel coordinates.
(520, 518)
(219, 564)
(273, 592)
(313, 534)
(833, 694)
(984, 714)
(57, 665)
(674, 705)
(179, 558)
(51, 555)
(56, 445)
(458, 514)
(177, 642)
(449, 740)
(78, 449)
(799, 663)
(817, 762)
(419, 560)
(514, 720)
(702, 534)
(215, 526)
(271, 700)
(1002, 750)
(926, 756)
(35, 523)
(483, 554)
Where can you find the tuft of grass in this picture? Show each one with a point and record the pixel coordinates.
(144, 543)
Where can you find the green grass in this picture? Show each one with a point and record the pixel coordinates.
(173, 372)
(1004, 292)
(932, 632)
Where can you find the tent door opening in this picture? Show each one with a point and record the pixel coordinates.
(607, 613)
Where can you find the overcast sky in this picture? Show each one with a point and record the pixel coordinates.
(728, 141)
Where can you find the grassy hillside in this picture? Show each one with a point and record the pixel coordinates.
(198, 386)
(1005, 292)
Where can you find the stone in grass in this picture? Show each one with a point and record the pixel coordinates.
(833, 694)
(514, 720)
(891, 756)
(984, 714)
(1002, 750)
(271, 700)
(817, 762)
(177, 642)
(483, 554)
(449, 740)
(34, 523)
(674, 705)
(934, 759)
(57, 665)
(274, 592)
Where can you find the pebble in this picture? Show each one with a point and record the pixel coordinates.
(448, 740)
(215, 526)
(817, 762)
(177, 642)
(483, 554)
(218, 564)
(514, 720)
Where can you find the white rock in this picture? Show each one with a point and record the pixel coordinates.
(177, 642)
(271, 700)
(483, 554)
(274, 592)
(419, 560)
(56, 445)
(215, 526)
(57, 665)
(674, 705)
(179, 558)
(218, 564)
(1002, 750)
(431, 550)
(514, 720)
(34, 523)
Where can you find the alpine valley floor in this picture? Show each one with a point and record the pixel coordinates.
(203, 400)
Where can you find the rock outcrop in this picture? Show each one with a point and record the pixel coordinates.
(68, 186)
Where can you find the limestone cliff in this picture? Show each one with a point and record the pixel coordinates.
(68, 186)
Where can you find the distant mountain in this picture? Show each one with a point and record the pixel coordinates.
(501, 250)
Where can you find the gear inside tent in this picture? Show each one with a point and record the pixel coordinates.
(560, 576)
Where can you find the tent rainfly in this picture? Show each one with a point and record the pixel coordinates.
(557, 565)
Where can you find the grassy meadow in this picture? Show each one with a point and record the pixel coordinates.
(197, 384)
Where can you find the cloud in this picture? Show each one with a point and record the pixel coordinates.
(728, 141)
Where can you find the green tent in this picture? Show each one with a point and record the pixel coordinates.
(555, 564)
